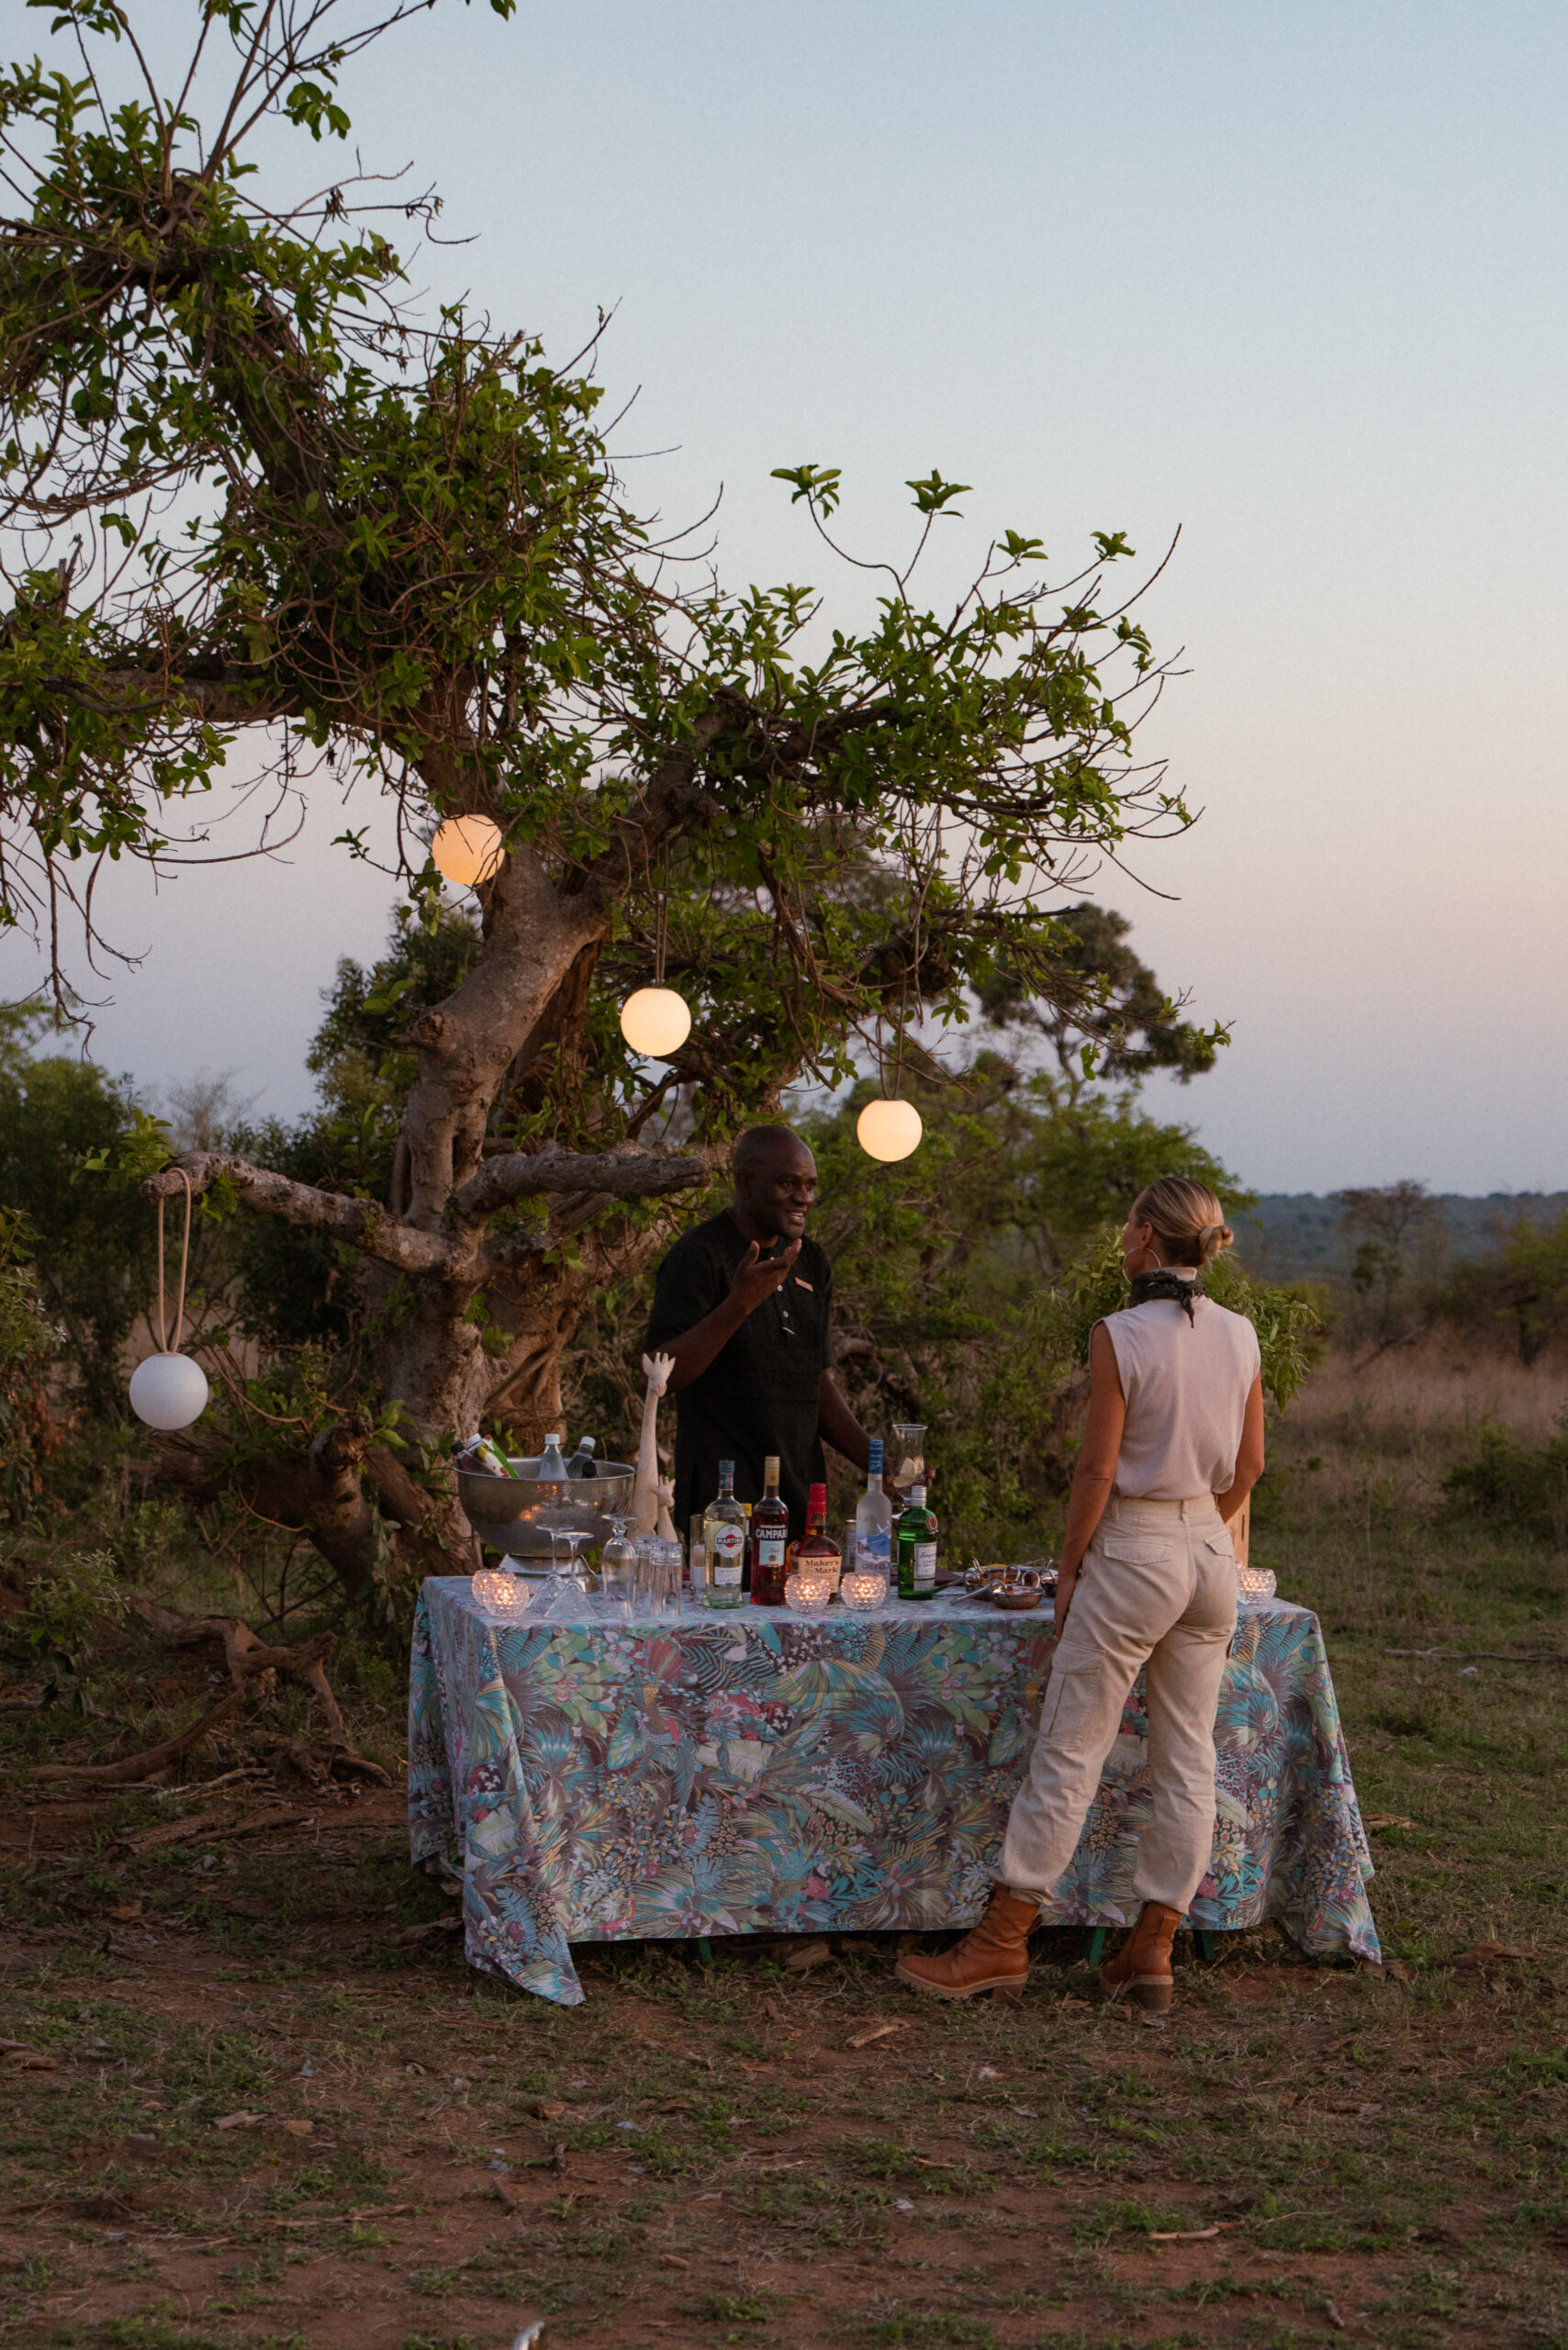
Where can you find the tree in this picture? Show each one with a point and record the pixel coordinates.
(1094, 1032)
(1400, 1236)
(1521, 1282)
(255, 500)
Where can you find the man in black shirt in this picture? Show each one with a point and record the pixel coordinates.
(745, 1306)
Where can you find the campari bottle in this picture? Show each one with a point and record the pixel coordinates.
(917, 1549)
(723, 1529)
(769, 1541)
(816, 1553)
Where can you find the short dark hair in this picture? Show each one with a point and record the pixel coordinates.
(760, 1143)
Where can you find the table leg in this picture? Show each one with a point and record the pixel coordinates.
(704, 1953)
(1206, 1942)
(1094, 1945)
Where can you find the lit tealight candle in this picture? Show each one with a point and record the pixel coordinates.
(499, 1595)
(808, 1594)
(863, 1591)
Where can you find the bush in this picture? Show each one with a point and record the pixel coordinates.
(1513, 1483)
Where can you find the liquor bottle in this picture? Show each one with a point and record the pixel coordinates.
(582, 1463)
(769, 1541)
(917, 1549)
(816, 1553)
(874, 1522)
(481, 1453)
(723, 1532)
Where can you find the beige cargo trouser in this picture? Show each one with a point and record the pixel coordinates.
(1156, 1588)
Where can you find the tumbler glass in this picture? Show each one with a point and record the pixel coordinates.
(659, 1564)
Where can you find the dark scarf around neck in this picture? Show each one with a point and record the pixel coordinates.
(1146, 1287)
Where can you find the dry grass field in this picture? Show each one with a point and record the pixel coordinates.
(255, 2099)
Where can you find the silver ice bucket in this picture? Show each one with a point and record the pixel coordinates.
(516, 1514)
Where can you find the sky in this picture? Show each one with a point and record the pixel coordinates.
(1290, 281)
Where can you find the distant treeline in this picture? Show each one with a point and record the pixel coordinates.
(1396, 1261)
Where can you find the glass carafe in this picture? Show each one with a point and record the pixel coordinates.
(908, 1454)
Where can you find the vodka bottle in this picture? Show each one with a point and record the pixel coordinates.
(874, 1521)
(917, 1549)
(582, 1463)
(816, 1553)
(769, 1541)
(723, 1529)
(551, 1465)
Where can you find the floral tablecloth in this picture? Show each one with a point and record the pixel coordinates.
(598, 1779)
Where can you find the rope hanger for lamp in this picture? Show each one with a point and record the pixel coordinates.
(655, 1021)
(891, 1128)
(169, 1390)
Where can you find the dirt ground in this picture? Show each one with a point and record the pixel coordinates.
(257, 2103)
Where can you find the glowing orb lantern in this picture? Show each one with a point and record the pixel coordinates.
(655, 1022)
(889, 1129)
(467, 850)
(499, 1595)
(168, 1392)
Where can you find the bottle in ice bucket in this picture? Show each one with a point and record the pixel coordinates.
(481, 1454)
(769, 1541)
(816, 1553)
(874, 1522)
(582, 1462)
(917, 1549)
(551, 1465)
(723, 1539)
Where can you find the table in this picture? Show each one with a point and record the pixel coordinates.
(598, 1779)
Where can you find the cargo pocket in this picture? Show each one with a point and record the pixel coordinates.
(1072, 1700)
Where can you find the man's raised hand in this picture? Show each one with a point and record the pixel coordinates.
(756, 1275)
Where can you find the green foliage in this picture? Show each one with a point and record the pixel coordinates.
(66, 1601)
(1514, 1483)
(29, 1347)
(89, 1234)
(1518, 1289)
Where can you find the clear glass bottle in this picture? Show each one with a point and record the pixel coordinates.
(552, 1468)
(724, 1539)
(582, 1462)
(874, 1521)
(917, 1549)
(769, 1541)
(816, 1553)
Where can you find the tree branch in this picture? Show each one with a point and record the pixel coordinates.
(619, 1174)
(364, 1223)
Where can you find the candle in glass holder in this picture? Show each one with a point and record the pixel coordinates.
(499, 1595)
(863, 1591)
(808, 1594)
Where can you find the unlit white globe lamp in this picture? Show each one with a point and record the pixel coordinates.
(467, 849)
(889, 1129)
(168, 1392)
(655, 1022)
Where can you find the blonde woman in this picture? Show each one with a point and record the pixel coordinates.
(1172, 1446)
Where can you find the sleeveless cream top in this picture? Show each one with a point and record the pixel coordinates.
(1186, 1385)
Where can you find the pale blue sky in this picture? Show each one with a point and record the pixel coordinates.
(1290, 280)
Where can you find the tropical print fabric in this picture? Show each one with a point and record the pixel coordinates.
(603, 1780)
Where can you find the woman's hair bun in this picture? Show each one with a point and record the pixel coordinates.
(1187, 1217)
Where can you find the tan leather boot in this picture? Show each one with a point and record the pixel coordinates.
(1141, 1968)
(994, 1957)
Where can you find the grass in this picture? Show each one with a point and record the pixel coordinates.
(1295, 2137)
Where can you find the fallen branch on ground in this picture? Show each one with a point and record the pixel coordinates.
(137, 1766)
(247, 1656)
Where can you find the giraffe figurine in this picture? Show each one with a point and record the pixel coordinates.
(651, 1495)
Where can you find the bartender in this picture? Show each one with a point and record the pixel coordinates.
(744, 1307)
